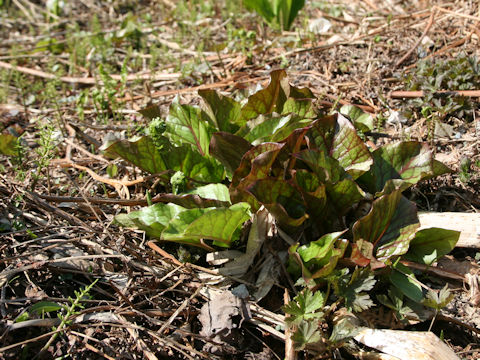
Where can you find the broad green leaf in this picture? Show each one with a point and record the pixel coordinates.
(337, 137)
(325, 167)
(215, 224)
(361, 120)
(228, 149)
(409, 161)
(189, 125)
(262, 128)
(171, 222)
(278, 13)
(404, 279)
(294, 123)
(213, 191)
(343, 195)
(224, 110)
(430, 244)
(389, 226)
(306, 180)
(281, 199)
(287, 10)
(263, 7)
(190, 201)
(303, 108)
(317, 259)
(269, 99)
(211, 195)
(140, 152)
(318, 249)
(151, 219)
(144, 154)
(193, 165)
(8, 144)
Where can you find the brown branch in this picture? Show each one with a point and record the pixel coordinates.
(420, 93)
(88, 80)
(419, 40)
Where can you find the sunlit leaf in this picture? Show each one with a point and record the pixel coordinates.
(262, 128)
(174, 223)
(389, 226)
(215, 224)
(269, 99)
(361, 120)
(189, 125)
(430, 244)
(143, 153)
(337, 137)
(224, 110)
(151, 219)
(318, 249)
(409, 161)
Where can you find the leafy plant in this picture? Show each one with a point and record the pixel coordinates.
(461, 73)
(312, 172)
(278, 13)
(69, 311)
(305, 311)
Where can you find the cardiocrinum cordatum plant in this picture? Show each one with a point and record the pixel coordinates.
(220, 163)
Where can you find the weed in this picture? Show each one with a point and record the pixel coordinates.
(70, 310)
(462, 73)
(47, 143)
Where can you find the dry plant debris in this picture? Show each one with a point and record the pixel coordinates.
(77, 76)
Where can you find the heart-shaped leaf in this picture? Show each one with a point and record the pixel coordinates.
(337, 137)
(225, 111)
(174, 223)
(189, 125)
(143, 153)
(228, 149)
(430, 244)
(281, 199)
(363, 121)
(409, 161)
(389, 226)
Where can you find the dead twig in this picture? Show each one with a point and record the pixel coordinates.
(89, 80)
(419, 93)
(419, 40)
